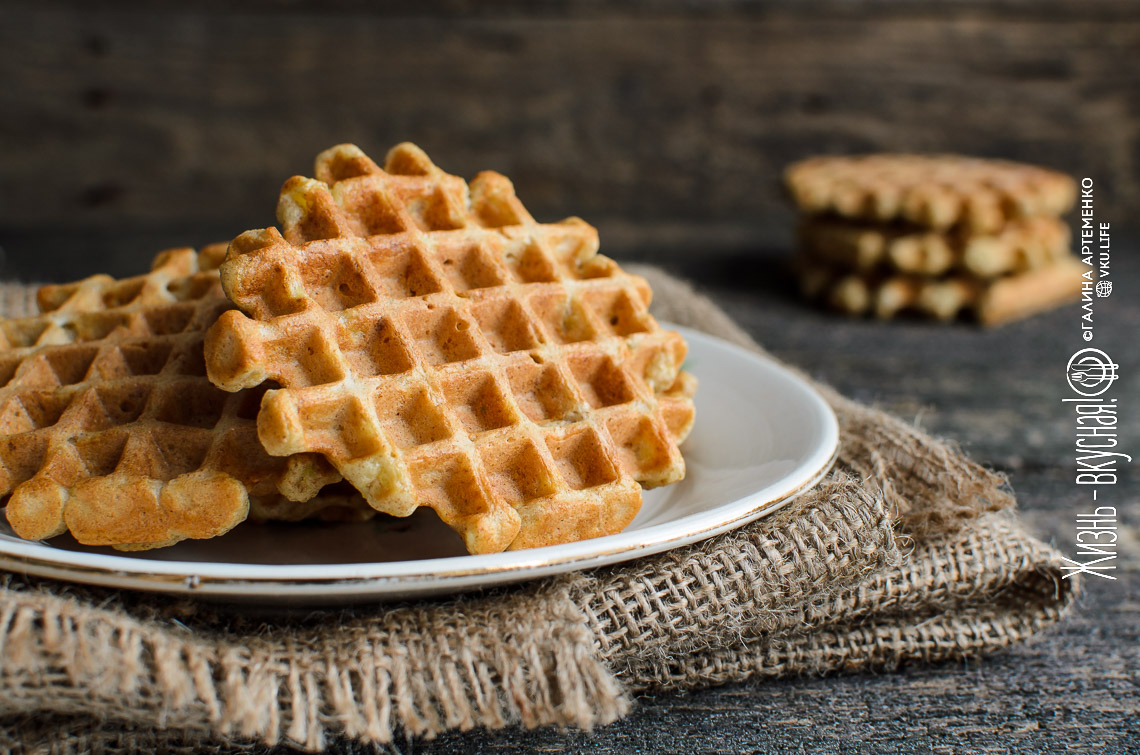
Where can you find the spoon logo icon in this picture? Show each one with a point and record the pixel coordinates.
(1091, 372)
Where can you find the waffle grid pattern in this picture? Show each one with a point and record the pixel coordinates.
(931, 191)
(108, 426)
(443, 349)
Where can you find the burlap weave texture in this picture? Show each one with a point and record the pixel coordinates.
(907, 552)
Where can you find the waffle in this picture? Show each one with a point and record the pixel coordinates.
(108, 425)
(989, 301)
(937, 192)
(443, 349)
(1021, 246)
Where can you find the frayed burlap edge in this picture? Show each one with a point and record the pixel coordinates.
(418, 670)
(896, 557)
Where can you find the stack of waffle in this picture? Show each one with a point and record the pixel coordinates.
(936, 236)
(426, 339)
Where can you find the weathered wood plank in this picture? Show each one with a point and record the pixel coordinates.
(128, 129)
(178, 119)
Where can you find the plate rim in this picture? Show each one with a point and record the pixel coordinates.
(200, 578)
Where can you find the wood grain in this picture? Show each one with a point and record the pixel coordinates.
(664, 124)
(128, 129)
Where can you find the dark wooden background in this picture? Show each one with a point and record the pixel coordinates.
(125, 128)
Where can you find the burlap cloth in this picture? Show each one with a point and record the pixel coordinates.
(907, 552)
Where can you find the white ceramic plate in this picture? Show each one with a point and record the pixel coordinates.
(762, 437)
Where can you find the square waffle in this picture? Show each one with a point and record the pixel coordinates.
(931, 191)
(443, 349)
(108, 425)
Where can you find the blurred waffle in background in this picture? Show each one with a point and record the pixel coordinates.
(940, 236)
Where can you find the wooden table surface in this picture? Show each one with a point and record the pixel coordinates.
(129, 127)
(998, 393)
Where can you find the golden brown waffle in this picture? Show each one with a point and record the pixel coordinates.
(1020, 246)
(937, 191)
(443, 349)
(989, 301)
(108, 425)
